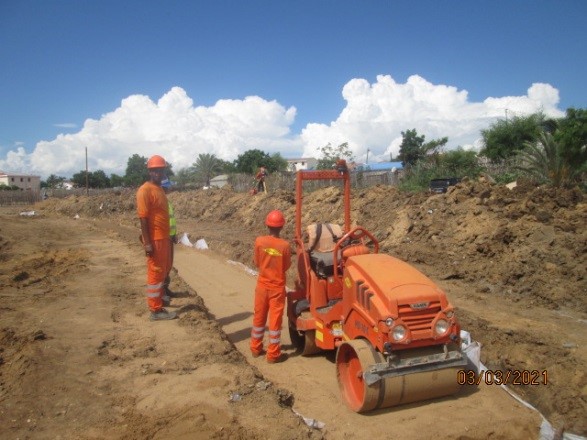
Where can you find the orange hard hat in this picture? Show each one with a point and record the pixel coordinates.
(275, 219)
(156, 162)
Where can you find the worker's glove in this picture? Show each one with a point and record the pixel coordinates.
(148, 250)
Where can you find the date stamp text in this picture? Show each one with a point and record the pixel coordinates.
(502, 377)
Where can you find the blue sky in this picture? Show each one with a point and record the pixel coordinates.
(181, 78)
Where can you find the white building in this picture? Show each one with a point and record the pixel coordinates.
(23, 181)
(308, 163)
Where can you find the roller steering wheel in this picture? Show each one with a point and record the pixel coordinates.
(354, 236)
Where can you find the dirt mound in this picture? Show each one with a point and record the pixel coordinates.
(80, 359)
(513, 261)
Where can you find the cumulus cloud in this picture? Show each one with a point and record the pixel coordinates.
(172, 127)
(373, 118)
(376, 114)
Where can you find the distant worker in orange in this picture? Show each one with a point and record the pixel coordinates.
(260, 178)
(153, 212)
(272, 256)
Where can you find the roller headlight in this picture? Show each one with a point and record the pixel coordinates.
(399, 333)
(441, 327)
(389, 322)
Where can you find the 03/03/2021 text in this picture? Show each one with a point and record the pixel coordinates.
(502, 377)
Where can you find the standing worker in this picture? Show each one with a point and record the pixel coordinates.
(272, 256)
(260, 177)
(152, 209)
(167, 294)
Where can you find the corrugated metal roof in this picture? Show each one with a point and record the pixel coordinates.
(380, 166)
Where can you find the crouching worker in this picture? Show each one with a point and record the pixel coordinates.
(152, 210)
(272, 256)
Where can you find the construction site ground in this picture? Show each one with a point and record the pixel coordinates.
(79, 357)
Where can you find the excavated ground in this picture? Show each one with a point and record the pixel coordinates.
(513, 262)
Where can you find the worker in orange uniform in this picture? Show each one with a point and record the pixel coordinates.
(272, 256)
(260, 178)
(153, 212)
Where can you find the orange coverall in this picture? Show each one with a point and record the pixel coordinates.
(272, 256)
(152, 205)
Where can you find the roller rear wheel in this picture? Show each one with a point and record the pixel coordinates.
(303, 341)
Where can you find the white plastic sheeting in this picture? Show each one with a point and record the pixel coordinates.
(472, 350)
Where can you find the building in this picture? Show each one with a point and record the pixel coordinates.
(389, 173)
(308, 163)
(25, 182)
(219, 181)
(381, 166)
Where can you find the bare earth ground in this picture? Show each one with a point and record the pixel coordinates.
(79, 358)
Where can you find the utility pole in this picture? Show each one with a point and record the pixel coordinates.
(87, 179)
(367, 160)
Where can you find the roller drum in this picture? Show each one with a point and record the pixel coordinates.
(354, 357)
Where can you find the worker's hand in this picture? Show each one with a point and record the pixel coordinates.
(149, 250)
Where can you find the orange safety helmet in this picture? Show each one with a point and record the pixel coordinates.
(275, 219)
(156, 162)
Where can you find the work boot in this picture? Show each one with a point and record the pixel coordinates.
(162, 315)
(282, 358)
(166, 301)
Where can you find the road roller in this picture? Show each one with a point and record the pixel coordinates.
(395, 333)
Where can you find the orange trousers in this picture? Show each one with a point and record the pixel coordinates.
(268, 304)
(157, 269)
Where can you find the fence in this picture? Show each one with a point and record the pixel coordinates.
(17, 197)
(239, 182)
(287, 181)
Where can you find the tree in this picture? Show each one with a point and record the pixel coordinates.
(96, 179)
(251, 160)
(544, 160)
(116, 180)
(331, 154)
(227, 167)
(276, 163)
(54, 181)
(572, 137)
(186, 176)
(99, 179)
(504, 138)
(136, 171)
(459, 163)
(207, 166)
(413, 148)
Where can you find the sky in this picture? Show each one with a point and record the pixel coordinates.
(182, 78)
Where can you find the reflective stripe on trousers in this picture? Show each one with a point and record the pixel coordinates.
(157, 269)
(275, 337)
(257, 332)
(269, 306)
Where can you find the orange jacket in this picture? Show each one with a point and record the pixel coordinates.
(273, 257)
(152, 205)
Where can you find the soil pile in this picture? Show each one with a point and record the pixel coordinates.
(512, 260)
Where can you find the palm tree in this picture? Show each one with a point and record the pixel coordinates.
(207, 166)
(544, 161)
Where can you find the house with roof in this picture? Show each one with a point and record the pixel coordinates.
(307, 163)
(25, 182)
